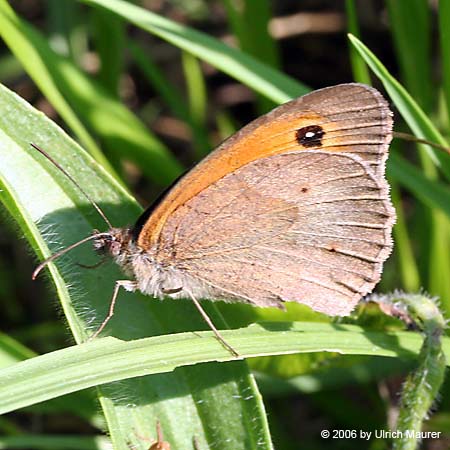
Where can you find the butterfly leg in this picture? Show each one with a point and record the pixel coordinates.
(159, 443)
(93, 266)
(205, 316)
(129, 286)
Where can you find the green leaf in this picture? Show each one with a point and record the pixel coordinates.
(342, 372)
(438, 261)
(359, 67)
(260, 77)
(432, 193)
(52, 214)
(171, 95)
(444, 30)
(74, 368)
(198, 101)
(21, 41)
(409, 271)
(63, 442)
(411, 35)
(416, 119)
(110, 42)
(12, 351)
(249, 23)
(74, 95)
(67, 34)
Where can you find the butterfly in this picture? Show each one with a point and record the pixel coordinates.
(294, 207)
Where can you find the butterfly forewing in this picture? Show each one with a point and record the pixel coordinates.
(294, 207)
(348, 118)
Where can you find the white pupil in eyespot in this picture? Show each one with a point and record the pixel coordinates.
(310, 134)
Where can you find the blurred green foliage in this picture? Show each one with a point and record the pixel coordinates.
(147, 94)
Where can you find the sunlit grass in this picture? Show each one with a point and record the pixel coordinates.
(222, 396)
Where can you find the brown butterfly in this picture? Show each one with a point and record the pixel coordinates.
(293, 207)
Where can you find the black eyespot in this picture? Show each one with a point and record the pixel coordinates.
(310, 136)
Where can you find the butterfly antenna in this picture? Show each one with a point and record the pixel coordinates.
(159, 431)
(65, 250)
(88, 197)
(410, 137)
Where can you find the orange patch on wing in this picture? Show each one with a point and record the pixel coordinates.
(258, 140)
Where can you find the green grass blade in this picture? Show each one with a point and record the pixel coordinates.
(109, 37)
(196, 87)
(343, 371)
(431, 193)
(168, 91)
(74, 368)
(119, 128)
(436, 243)
(20, 40)
(359, 67)
(171, 95)
(416, 119)
(63, 442)
(10, 68)
(260, 77)
(80, 404)
(410, 276)
(409, 271)
(198, 102)
(444, 31)
(225, 124)
(412, 39)
(411, 33)
(67, 34)
(53, 214)
(12, 351)
(438, 278)
(249, 21)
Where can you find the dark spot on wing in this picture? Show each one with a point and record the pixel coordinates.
(310, 136)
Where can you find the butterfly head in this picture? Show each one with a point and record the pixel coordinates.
(115, 242)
